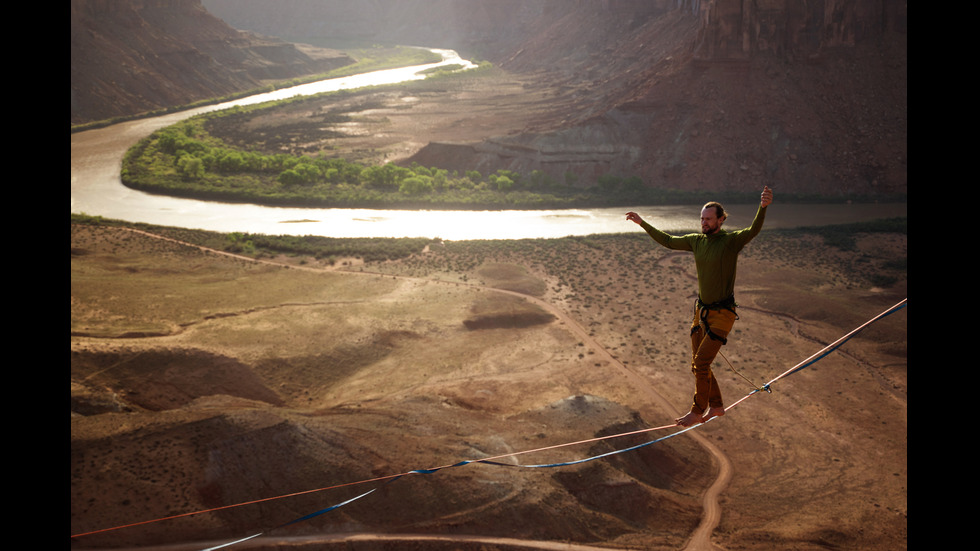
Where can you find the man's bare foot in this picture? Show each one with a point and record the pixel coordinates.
(713, 412)
(691, 418)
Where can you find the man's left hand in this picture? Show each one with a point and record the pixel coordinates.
(766, 197)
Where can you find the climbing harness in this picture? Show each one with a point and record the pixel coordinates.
(703, 309)
(723, 304)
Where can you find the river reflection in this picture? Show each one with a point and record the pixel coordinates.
(96, 189)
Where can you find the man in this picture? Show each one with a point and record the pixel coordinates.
(715, 254)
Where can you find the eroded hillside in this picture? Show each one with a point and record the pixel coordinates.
(132, 56)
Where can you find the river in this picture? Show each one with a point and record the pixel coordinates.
(96, 189)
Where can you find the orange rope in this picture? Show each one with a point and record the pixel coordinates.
(378, 479)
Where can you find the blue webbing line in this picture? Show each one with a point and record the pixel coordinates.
(834, 346)
(593, 458)
(459, 464)
(806, 363)
(301, 519)
(337, 506)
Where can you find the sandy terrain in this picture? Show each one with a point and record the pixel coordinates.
(199, 380)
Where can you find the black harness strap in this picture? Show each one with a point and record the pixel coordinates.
(725, 304)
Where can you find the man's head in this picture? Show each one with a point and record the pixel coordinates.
(712, 216)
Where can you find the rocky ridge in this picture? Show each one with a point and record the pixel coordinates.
(130, 56)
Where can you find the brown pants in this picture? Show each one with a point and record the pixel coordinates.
(704, 348)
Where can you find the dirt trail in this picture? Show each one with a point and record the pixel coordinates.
(700, 539)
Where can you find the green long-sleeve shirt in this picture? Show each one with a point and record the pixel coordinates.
(715, 255)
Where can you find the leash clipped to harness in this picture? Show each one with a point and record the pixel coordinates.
(730, 305)
(735, 371)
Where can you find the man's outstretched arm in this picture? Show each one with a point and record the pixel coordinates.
(664, 239)
(760, 215)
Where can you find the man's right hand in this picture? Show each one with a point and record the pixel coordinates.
(633, 217)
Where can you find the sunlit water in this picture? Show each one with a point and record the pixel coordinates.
(96, 189)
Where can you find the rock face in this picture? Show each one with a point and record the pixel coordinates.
(731, 28)
(129, 56)
(723, 95)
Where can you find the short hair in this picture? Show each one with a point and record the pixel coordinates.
(719, 210)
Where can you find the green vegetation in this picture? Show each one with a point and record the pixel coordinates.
(378, 58)
(446, 70)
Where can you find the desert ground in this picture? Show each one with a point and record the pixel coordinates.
(200, 380)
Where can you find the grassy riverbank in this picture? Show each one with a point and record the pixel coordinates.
(227, 156)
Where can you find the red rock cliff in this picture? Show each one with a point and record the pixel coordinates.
(129, 56)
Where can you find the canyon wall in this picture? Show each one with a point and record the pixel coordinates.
(130, 56)
(685, 94)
